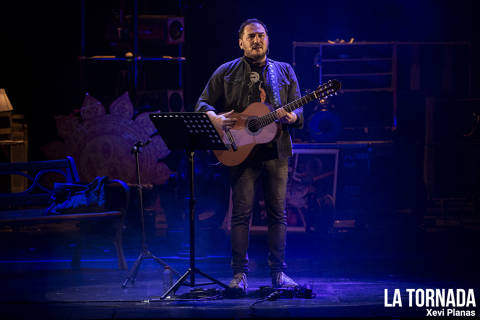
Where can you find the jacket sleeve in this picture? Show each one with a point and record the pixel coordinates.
(294, 94)
(212, 95)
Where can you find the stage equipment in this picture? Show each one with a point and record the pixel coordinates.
(264, 293)
(160, 35)
(160, 100)
(189, 131)
(161, 28)
(271, 294)
(145, 254)
(324, 125)
(375, 75)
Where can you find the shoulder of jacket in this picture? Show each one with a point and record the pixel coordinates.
(230, 65)
(280, 63)
(283, 67)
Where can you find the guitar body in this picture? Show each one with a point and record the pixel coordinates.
(246, 139)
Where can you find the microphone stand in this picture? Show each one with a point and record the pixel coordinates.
(145, 254)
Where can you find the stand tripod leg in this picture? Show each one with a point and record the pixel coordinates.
(133, 273)
(177, 284)
(163, 263)
(184, 277)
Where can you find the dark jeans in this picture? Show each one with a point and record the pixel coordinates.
(243, 177)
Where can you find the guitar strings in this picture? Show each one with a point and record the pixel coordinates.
(263, 121)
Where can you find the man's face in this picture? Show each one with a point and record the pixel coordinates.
(254, 41)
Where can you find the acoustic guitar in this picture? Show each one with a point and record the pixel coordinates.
(258, 124)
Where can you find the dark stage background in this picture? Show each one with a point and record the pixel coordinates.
(41, 43)
(417, 206)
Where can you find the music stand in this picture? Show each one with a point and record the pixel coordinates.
(189, 131)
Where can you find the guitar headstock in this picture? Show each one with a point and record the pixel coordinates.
(330, 88)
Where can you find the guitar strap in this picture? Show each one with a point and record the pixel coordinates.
(273, 79)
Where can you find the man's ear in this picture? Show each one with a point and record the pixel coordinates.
(240, 43)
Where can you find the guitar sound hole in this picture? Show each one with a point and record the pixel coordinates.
(252, 125)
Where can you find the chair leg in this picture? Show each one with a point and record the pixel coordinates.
(118, 242)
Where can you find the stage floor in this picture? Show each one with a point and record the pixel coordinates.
(348, 276)
(97, 294)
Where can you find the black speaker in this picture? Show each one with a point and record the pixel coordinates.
(158, 35)
(160, 100)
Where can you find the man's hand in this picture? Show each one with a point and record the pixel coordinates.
(222, 121)
(286, 117)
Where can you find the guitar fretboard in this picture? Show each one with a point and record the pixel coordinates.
(271, 117)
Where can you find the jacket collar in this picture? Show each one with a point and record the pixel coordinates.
(248, 61)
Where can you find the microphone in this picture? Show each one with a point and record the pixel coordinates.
(137, 147)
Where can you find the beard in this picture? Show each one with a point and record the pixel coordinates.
(256, 54)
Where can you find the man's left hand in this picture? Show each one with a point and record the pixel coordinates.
(288, 117)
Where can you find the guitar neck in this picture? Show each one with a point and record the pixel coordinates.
(275, 115)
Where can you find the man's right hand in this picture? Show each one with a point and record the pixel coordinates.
(222, 121)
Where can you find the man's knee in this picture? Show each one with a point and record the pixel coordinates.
(240, 218)
(277, 217)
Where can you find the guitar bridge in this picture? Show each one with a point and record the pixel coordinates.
(231, 140)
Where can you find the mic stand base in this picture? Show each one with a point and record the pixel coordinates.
(182, 282)
(145, 254)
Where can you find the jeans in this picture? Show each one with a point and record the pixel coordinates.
(243, 177)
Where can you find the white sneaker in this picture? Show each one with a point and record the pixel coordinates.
(281, 280)
(239, 281)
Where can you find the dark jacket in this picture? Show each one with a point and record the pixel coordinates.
(227, 89)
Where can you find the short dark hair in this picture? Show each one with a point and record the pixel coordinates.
(250, 21)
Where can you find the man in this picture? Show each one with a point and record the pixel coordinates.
(231, 88)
